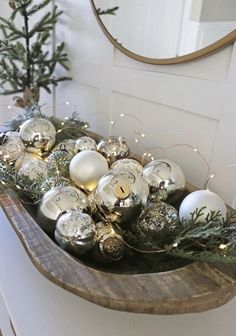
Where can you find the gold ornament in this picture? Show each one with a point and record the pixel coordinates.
(38, 134)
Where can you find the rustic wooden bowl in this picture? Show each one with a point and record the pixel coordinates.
(196, 287)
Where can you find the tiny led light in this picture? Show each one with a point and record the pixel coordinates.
(122, 115)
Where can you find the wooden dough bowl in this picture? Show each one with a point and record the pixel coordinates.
(196, 287)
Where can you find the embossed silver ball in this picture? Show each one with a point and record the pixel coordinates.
(85, 143)
(157, 221)
(113, 148)
(12, 147)
(33, 170)
(75, 232)
(58, 200)
(128, 164)
(167, 175)
(38, 134)
(121, 195)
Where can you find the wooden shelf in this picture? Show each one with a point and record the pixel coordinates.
(194, 288)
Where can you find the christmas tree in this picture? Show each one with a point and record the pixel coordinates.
(26, 64)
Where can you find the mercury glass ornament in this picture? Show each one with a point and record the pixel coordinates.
(12, 147)
(66, 145)
(85, 143)
(121, 194)
(38, 134)
(86, 168)
(58, 200)
(53, 182)
(128, 164)
(25, 158)
(33, 170)
(205, 200)
(157, 221)
(167, 175)
(109, 246)
(58, 163)
(75, 232)
(113, 148)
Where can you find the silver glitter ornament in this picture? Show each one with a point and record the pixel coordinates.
(57, 201)
(58, 163)
(12, 147)
(85, 143)
(33, 170)
(109, 246)
(167, 175)
(24, 158)
(128, 164)
(113, 148)
(121, 194)
(75, 232)
(38, 134)
(157, 221)
(66, 145)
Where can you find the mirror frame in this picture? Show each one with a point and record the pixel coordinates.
(214, 47)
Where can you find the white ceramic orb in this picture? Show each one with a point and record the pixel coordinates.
(86, 168)
(199, 199)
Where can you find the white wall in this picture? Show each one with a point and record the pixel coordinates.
(190, 103)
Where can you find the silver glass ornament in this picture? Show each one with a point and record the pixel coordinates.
(109, 246)
(113, 148)
(12, 147)
(34, 169)
(38, 134)
(58, 163)
(128, 164)
(24, 158)
(157, 221)
(75, 232)
(58, 200)
(53, 182)
(167, 175)
(121, 194)
(66, 145)
(85, 143)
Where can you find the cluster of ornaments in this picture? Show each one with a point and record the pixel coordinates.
(106, 189)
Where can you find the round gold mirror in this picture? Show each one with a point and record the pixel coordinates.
(167, 31)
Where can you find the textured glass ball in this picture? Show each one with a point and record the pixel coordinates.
(157, 221)
(205, 200)
(85, 143)
(128, 164)
(34, 169)
(121, 194)
(38, 134)
(167, 175)
(58, 163)
(86, 168)
(75, 232)
(12, 147)
(113, 148)
(66, 145)
(58, 200)
(26, 157)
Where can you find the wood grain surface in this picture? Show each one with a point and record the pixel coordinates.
(194, 288)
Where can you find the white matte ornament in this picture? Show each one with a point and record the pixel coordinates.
(199, 199)
(86, 168)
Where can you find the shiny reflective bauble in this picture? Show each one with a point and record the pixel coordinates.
(85, 143)
(167, 175)
(38, 134)
(157, 221)
(121, 194)
(128, 164)
(57, 201)
(12, 147)
(66, 145)
(58, 163)
(34, 169)
(75, 232)
(110, 245)
(86, 168)
(24, 158)
(113, 148)
(205, 200)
